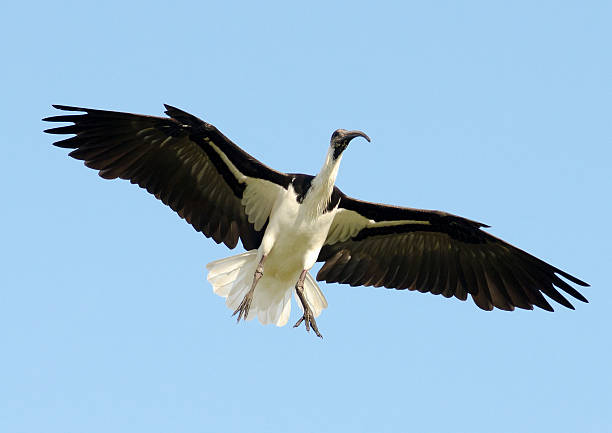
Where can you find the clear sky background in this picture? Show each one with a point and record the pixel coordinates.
(496, 112)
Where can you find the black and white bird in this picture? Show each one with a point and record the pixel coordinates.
(288, 222)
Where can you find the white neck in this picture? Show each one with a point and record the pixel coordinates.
(329, 171)
(323, 183)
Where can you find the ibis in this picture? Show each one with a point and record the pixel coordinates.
(287, 222)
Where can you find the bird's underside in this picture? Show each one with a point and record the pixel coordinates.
(287, 222)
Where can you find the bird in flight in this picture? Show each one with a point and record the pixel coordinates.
(287, 222)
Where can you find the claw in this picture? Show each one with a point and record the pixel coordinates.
(308, 317)
(309, 321)
(244, 307)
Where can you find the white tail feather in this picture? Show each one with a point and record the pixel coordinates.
(232, 277)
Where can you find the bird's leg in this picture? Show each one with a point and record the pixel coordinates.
(245, 305)
(308, 317)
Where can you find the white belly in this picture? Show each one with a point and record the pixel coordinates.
(291, 244)
(293, 238)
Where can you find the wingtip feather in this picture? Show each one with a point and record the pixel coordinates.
(171, 109)
(68, 107)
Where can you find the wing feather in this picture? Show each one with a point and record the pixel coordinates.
(184, 162)
(432, 251)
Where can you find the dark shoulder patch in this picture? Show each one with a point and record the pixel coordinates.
(301, 184)
(335, 199)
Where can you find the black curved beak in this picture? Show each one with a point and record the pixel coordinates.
(352, 134)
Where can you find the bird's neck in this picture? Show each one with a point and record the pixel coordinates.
(328, 173)
(323, 184)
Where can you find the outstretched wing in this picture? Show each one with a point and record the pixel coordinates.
(185, 162)
(377, 245)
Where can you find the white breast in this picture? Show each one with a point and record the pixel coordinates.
(295, 234)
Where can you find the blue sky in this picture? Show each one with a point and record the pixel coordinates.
(496, 112)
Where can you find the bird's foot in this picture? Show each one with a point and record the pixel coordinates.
(244, 307)
(309, 321)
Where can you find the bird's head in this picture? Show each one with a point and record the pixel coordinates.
(340, 140)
